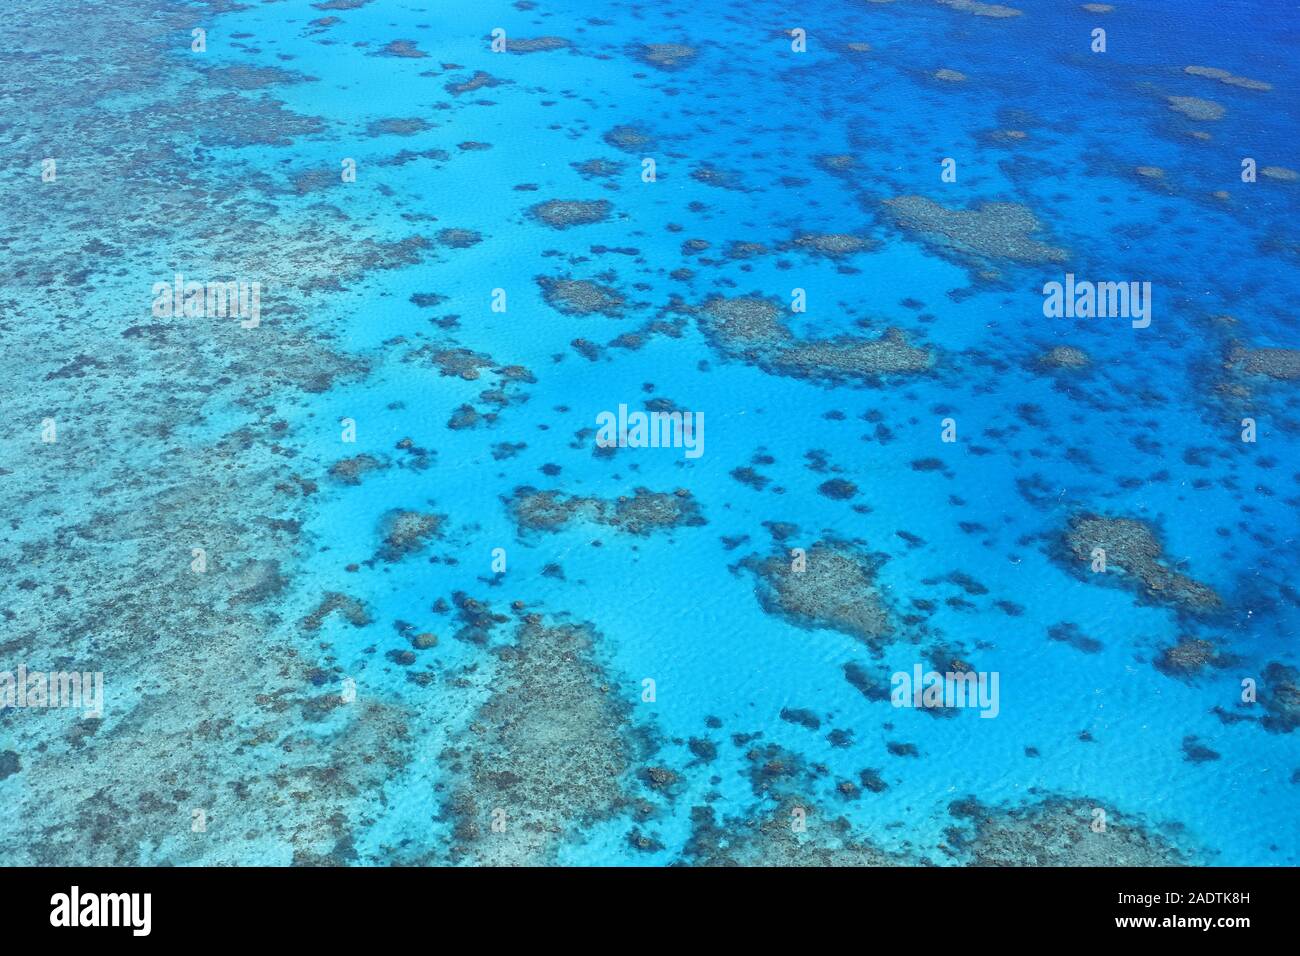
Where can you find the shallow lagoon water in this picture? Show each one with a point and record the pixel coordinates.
(229, 691)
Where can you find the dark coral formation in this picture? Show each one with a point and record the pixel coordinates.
(598, 168)
(753, 329)
(545, 754)
(194, 419)
(459, 238)
(986, 233)
(477, 619)
(665, 56)
(1068, 632)
(552, 747)
(711, 175)
(1059, 831)
(1065, 357)
(1280, 696)
(832, 245)
(1275, 363)
(836, 589)
(398, 126)
(353, 611)
(581, 297)
(350, 471)
(640, 513)
(406, 49)
(1193, 107)
(852, 357)
(1134, 553)
(999, 11)
(1196, 752)
(1223, 76)
(536, 44)
(467, 365)
(478, 81)
(566, 213)
(404, 532)
(630, 139)
(772, 838)
(1188, 657)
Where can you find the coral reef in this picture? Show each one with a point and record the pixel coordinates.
(1059, 831)
(752, 328)
(544, 755)
(641, 513)
(566, 213)
(1135, 554)
(836, 589)
(990, 231)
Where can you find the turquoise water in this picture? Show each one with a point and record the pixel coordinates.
(311, 732)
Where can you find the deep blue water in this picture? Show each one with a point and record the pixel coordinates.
(307, 731)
